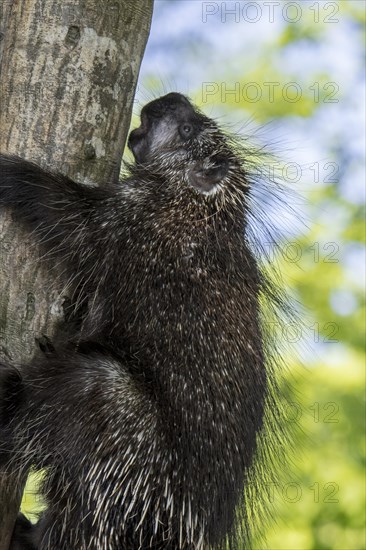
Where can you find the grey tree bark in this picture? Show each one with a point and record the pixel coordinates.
(68, 73)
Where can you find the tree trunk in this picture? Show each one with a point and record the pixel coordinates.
(68, 73)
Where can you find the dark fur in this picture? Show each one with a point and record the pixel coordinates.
(147, 421)
(24, 535)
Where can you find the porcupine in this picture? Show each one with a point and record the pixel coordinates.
(147, 421)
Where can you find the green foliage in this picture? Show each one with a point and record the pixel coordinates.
(321, 503)
(32, 504)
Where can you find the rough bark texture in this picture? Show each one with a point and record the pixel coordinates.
(68, 72)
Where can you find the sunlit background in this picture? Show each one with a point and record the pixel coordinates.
(291, 74)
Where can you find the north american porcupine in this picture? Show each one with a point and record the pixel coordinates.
(147, 421)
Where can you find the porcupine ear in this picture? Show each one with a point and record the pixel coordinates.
(204, 179)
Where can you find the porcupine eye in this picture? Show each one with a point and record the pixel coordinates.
(185, 130)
